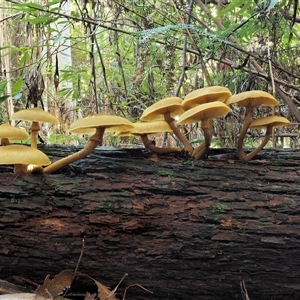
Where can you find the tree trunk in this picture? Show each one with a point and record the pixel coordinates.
(183, 229)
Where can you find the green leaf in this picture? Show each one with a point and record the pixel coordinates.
(35, 5)
(3, 98)
(53, 2)
(38, 20)
(17, 86)
(24, 58)
(232, 6)
(3, 84)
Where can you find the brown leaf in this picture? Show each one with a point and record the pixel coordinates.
(56, 286)
(104, 292)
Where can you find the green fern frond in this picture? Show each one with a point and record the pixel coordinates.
(154, 33)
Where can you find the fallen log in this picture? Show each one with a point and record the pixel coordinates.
(180, 228)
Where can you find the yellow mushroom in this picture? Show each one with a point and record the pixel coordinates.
(99, 123)
(35, 115)
(205, 95)
(249, 100)
(8, 132)
(142, 129)
(22, 157)
(204, 113)
(267, 123)
(167, 109)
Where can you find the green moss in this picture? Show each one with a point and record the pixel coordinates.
(56, 184)
(164, 173)
(219, 208)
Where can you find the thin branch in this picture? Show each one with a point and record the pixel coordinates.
(184, 50)
(10, 17)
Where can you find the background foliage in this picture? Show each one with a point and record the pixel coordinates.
(122, 56)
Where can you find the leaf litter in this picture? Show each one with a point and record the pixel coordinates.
(60, 287)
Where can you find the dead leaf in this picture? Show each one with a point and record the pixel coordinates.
(23, 296)
(57, 285)
(104, 292)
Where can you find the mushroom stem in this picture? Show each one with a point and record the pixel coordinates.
(95, 140)
(178, 133)
(148, 144)
(247, 121)
(20, 169)
(264, 142)
(200, 151)
(5, 142)
(35, 128)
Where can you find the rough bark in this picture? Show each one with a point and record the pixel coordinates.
(184, 229)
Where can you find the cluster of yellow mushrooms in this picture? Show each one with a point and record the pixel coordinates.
(202, 105)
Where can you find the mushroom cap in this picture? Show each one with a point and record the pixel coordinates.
(252, 98)
(20, 154)
(123, 133)
(13, 133)
(157, 110)
(205, 95)
(146, 128)
(273, 121)
(34, 114)
(109, 122)
(150, 127)
(203, 111)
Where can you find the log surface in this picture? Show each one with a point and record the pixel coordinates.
(183, 229)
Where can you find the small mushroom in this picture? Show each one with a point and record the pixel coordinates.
(35, 115)
(205, 95)
(167, 109)
(99, 122)
(8, 132)
(249, 100)
(142, 129)
(267, 123)
(22, 157)
(204, 113)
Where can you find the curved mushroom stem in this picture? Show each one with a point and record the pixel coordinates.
(95, 140)
(200, 151)
(35, 128)
(247, 121)
(148, 144)
(264, 142)
(178, 133)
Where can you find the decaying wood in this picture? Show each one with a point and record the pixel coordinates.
(183, 229)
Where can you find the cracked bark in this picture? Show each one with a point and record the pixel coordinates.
(181, 228)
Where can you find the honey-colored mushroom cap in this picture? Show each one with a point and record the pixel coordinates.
(150, 127)
(20, 154)
(34, 114)
(146, 128)
(204, 111)
(252, 98)
(109, 122)
(273, 121)
(156, 111)
(205, 95)
(13, 133)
